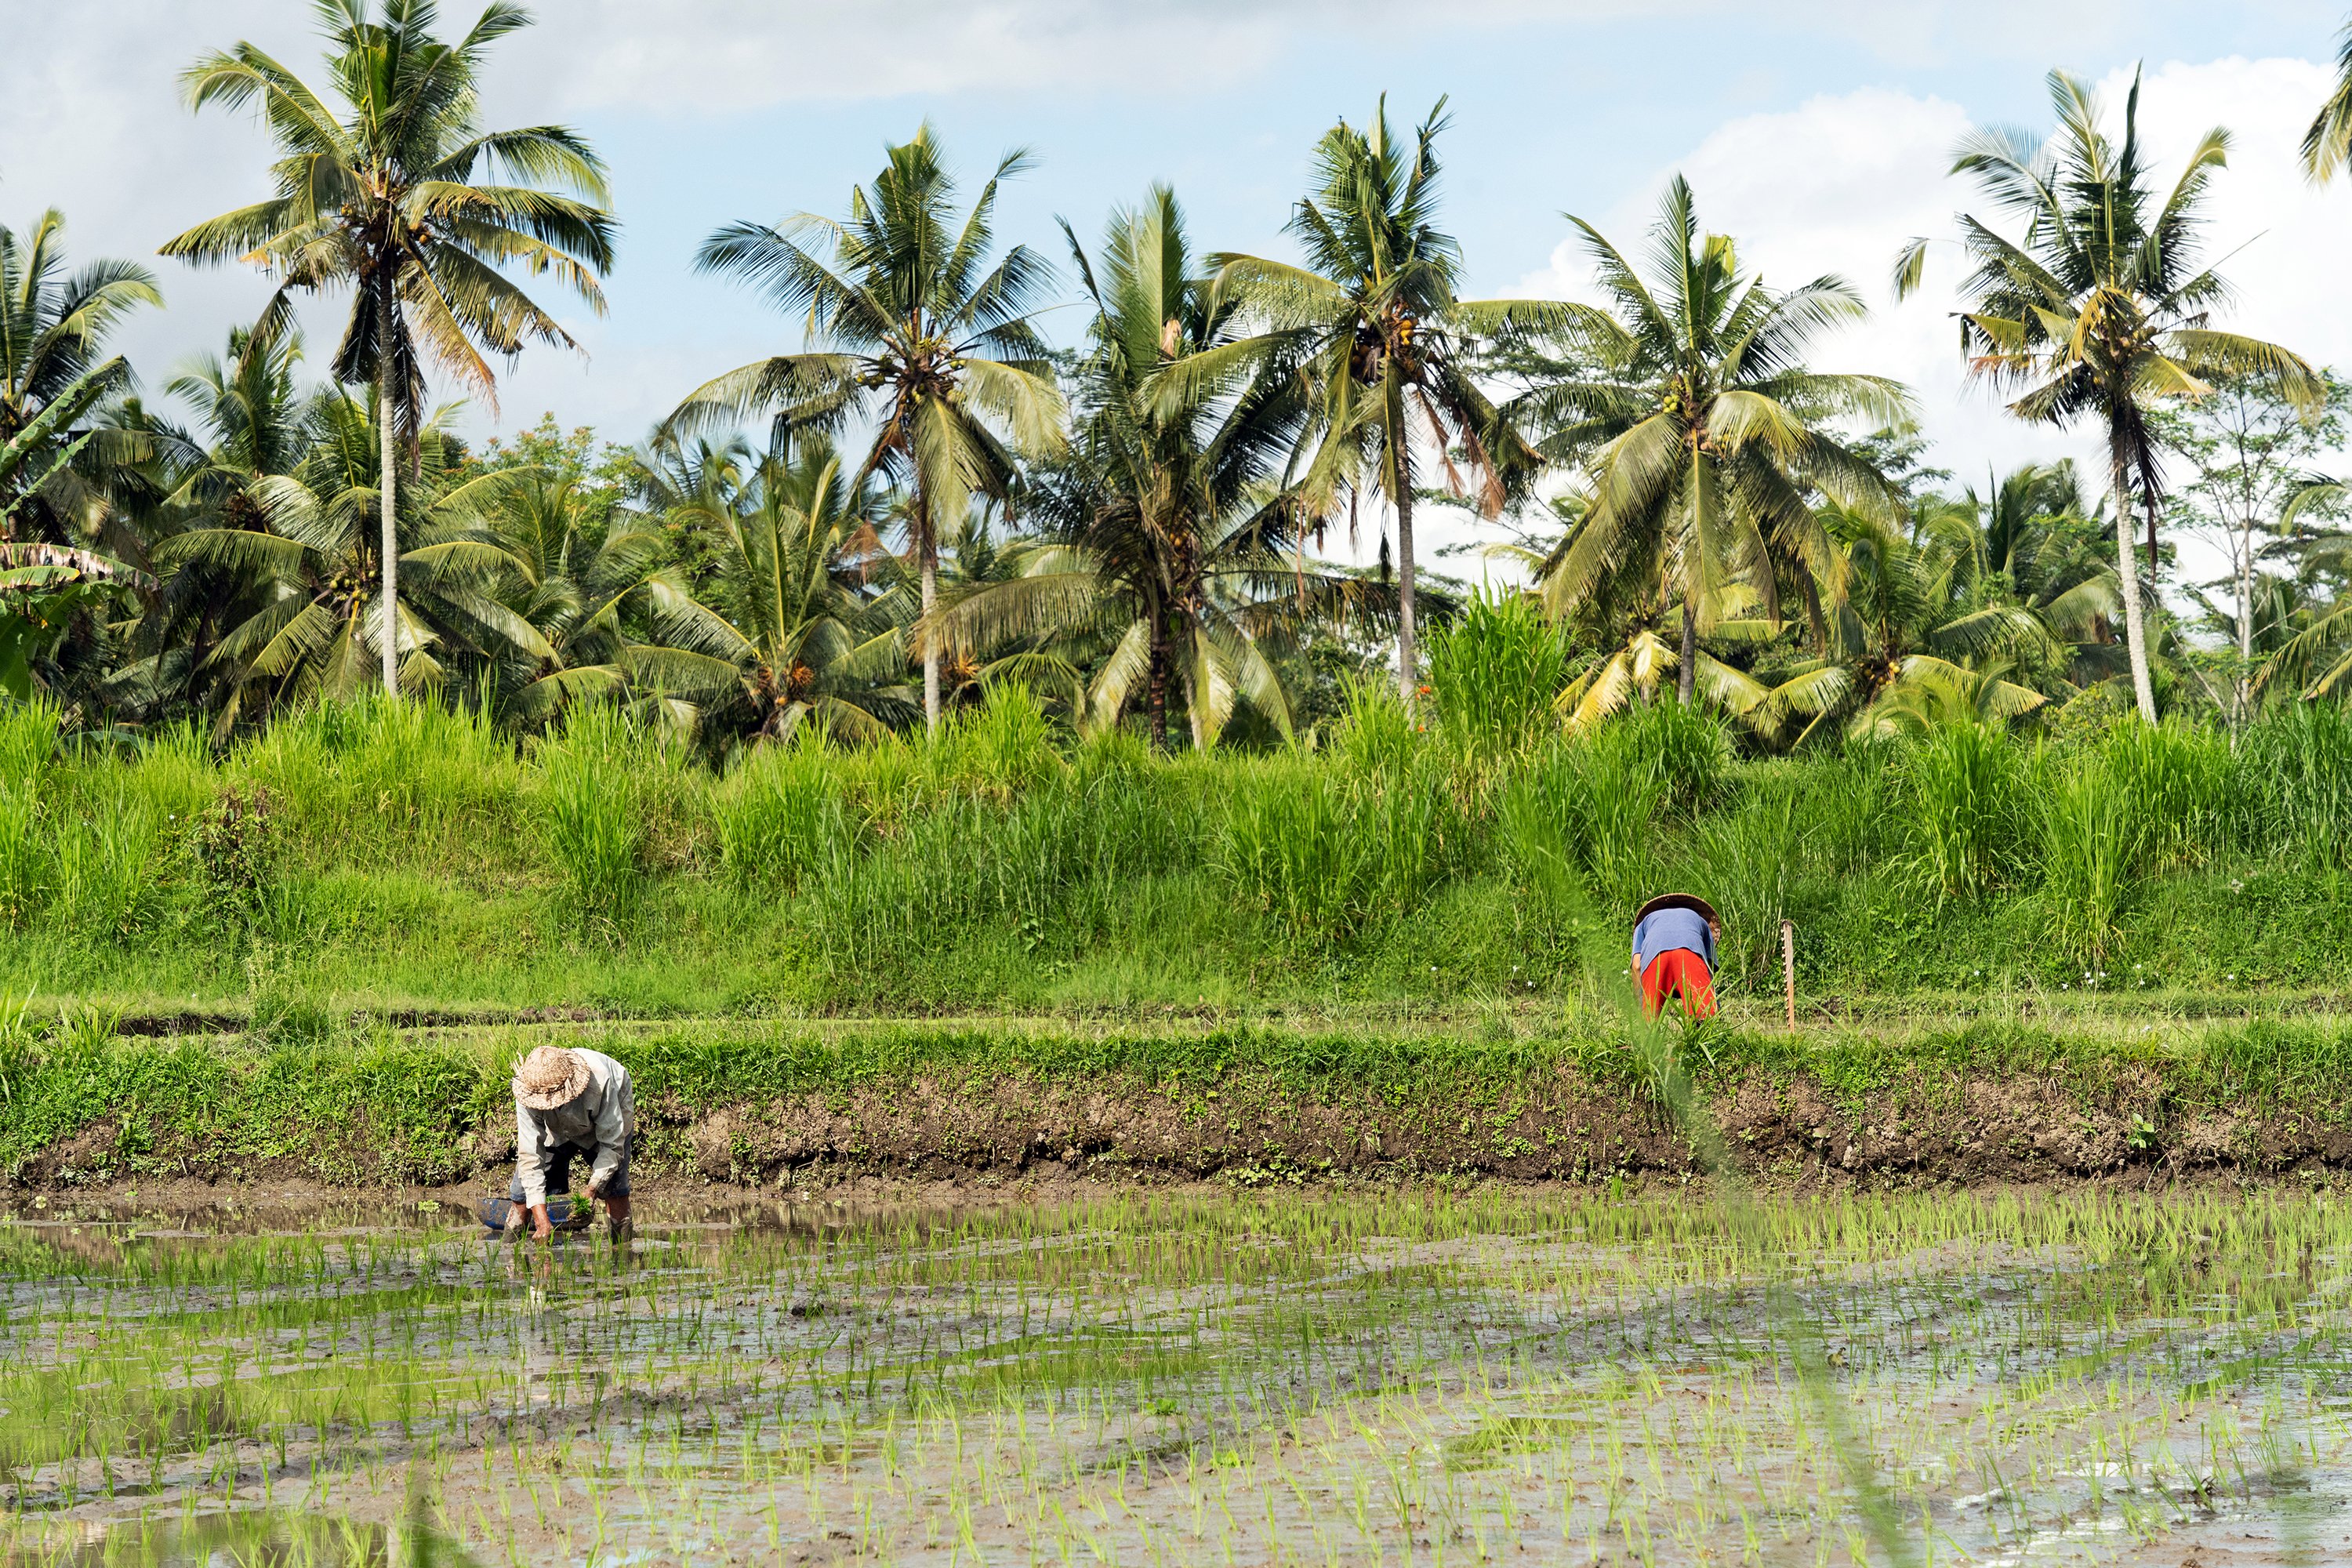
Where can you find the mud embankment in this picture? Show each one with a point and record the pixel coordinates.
(1925, 1124)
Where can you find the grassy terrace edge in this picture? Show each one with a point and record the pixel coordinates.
(755, 1103)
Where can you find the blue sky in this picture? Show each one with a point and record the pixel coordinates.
(716, 109)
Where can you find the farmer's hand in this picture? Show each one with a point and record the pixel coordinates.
(541, 1227)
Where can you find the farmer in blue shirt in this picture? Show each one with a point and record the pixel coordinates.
(1673, 953)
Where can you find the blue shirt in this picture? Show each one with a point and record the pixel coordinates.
(1667, 929)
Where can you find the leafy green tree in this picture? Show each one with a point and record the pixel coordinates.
(1920, 622)
(1372, 321)
(2327, 144)
(2099, 310)
(2251, 450)
(592, 581)
(253, 426)
(396, 195)
(1689, 401)
(1166, 541)
(43, 585)
(910, 328)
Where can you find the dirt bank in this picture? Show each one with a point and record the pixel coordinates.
(1915, 1117)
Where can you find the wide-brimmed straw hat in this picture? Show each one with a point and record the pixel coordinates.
(1677, 901)
(548, 1077)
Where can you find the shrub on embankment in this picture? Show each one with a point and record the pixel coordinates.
(392, 854)
(756, 1105)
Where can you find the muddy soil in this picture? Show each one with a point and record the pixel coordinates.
(978, 1132)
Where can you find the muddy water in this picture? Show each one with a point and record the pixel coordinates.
(1422, 1377)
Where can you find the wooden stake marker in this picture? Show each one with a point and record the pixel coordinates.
(1788, 968)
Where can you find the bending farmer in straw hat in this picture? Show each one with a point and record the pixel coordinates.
(1673, 953)
(572, 1105)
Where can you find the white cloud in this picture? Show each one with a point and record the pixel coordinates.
(696, 55)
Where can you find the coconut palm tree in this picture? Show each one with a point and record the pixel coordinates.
(43, 585)
(311, 562)
(2327, 144)
(1372, 322)
(395, 192)
(592, 586)
(792, 632)
(909, 327)
(253, 427)
(2100, 308)
(1165, 541)
(53, 331)
(1916, 614)
(1689, 401)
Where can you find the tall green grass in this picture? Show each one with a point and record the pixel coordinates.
(1493, 672)
(402, 851)
(1968, 798)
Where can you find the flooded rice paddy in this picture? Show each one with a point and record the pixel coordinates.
(1399, 1378)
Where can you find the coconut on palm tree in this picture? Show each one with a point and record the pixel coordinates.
(393, 188)
(1165, 541)
(2100, 308)
(1373, 323)
(1689, 401)
(908, 326)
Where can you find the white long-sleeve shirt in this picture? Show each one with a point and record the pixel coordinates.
(601, 1118)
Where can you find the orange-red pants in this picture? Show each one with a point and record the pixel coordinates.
(1682, 974)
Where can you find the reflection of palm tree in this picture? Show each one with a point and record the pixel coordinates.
(385, 198)
(1165, 542)
(1690, 402)
(1372, 322)
(907, 327)
(2101, 309)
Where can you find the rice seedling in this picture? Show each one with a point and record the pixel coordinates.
(1371, 1377)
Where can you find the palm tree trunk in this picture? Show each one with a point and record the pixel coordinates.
(2127, 569)
(928, 549)
(1156, 692)
(1686, 668)
(1408, 660)
(388, 634)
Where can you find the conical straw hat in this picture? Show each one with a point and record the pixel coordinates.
(548, 1077)
(1677, 901)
